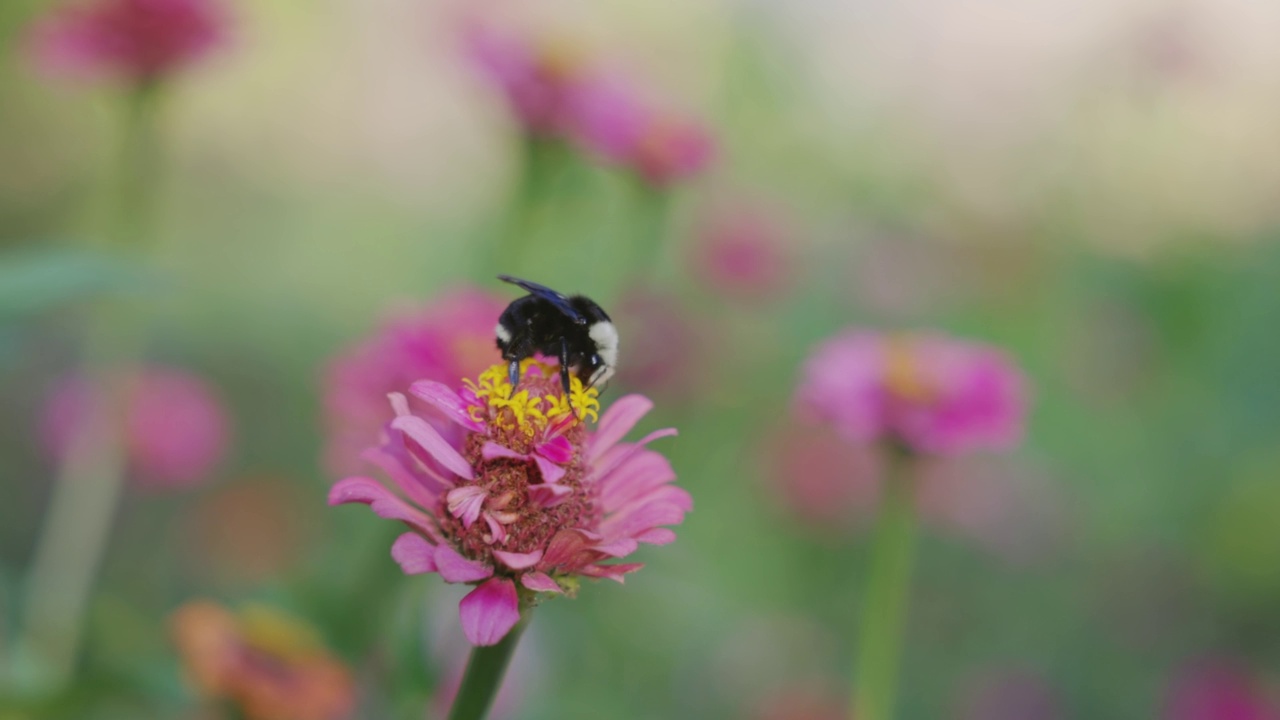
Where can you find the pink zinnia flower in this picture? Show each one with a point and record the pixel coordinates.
(175, 429)
(931, 393)
(135, 39)
(1217, 690)
(742, 252)
(608, 119)
(536, 76)
(452, 337)
(527, 499)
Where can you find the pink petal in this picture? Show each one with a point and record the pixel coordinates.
(549, 496)
(564, 550)
(399, 404)
(645, 471)
(490, 611)
(429, 439)
(657, 536)
(540, 582)
(414, 554)
(493, 450)
(496, 530)
(621, 547)
(640, 519)
(443, 398)
(465, 503)
(551, 472)
(409, 483)
(621, 453)
(518, 561)
(616, 422)
(558, 450)
(382, 501)
(456, 569)
(612, 572)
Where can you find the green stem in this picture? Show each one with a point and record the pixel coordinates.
(485, 670)
(88, 485)
(648, 241)
(880, 632)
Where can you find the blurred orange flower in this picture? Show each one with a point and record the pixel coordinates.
(270, 665)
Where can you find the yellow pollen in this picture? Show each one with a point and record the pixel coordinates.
(517, 409)
(902, 372)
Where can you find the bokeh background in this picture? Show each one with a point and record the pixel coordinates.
(1093, 186)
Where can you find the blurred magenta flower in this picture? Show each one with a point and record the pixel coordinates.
(269, 665)
(664, 346)
(175, 428)
(607, 118)
(929, 392)
(742, 252)
(450, 338)
(537, 76)
(1216, 689)
(139, 40)
(527, 499)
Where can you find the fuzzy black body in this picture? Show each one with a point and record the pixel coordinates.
(573, 329)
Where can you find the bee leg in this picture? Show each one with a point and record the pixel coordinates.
(514, 371)
(564, 364)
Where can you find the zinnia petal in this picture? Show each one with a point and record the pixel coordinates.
(421, 432)
(616, 422)
(622, 452)
(490, 611)
(611, 572)
(640, 474)
(557, 450)
(384, 503)
(443, 398)
(414, 554)
(465, 503)
(551, 472)
(540, 582)
(457, 569)
(494, 451)
(657, 536)
(518, 561)
(641, 518)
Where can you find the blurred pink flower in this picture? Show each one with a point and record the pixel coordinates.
(929, 392)
(175, 428)
(1008, 695)
(802, 701)
(1215, 689)
(135, 39)
(537, 76)
(663, 344)
(819, 477)
(607, 118)
(742, 253)
(452, 337)
(527, 499)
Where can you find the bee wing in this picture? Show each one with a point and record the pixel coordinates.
(559, 301)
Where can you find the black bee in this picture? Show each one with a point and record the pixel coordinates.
(574, 329)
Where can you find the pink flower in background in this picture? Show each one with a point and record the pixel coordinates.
(450, 338)
(1217, 690)
(742, 252)
(134, 39)
(175, 428)
(663, 344)
(527, 499)
(1015, 694)
(608, 119)
(537, 77)
(929, 392)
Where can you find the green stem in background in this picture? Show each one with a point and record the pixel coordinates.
(648, 241)
(86, 491)
(880, 631)
(541, 166)
(485, 670)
